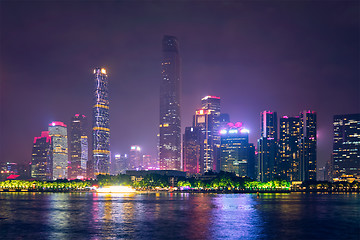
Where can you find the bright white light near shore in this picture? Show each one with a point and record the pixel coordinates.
(115, 189)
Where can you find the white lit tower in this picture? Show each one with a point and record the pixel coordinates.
(58, 134)
(101, 123)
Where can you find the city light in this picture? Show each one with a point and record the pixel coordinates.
(115, 189)
(231, 131)
(223, 131)
(244, 130)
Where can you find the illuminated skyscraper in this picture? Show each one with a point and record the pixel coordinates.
(78, 147)
(59, 142)
(203, 120)
(170, 121)
(135, 158)
(41, 159)
(236, 154)
(346, 148)
(101, 123)
(307, 146)
(119, 164)
(288, 167)
(267, 146)
(212, 104)
(191, 150)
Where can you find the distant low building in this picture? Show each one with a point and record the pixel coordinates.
(172, 175)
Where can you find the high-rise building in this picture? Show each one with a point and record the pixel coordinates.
(212, 104)
(267, 146)
(203, 120)
(346, 146)
(288, 165)
(78, 147)
(147, 161)
(101, 123)
(191, 150)
(120, 164)
(59, 142)
(307, 146)
(170, 121)
(135, 158)
(41, 159)
(235, 152)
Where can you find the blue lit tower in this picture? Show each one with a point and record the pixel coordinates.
(101, 123)
(236, 154)
(170, 122)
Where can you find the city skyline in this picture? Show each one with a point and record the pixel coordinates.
(237, 80)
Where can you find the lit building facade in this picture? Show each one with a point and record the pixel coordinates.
(170, 121)
(78, 147)
(267, 146)
(59, 141)
(203, 120)
(120, 164)
(346, 146)
(307, 146)
(288, 166)
(235, 150)
(212, 135)
(191, 150)
(41, 159)
(135, 158)
(101, 123)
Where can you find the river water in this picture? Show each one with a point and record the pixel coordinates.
(179, 216)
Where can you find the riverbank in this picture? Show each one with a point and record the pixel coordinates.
(189, 191)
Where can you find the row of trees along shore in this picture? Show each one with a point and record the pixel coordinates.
(216, 182)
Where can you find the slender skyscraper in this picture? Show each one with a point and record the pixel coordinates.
(78, 147)
(267, 146)
(212, 104)
(307, 145)
(59, 141)
(101, 123)
(289, 160)
(170, 122)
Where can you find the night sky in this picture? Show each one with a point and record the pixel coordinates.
(284, 56)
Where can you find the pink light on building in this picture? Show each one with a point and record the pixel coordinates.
(44, 134)
(238, 124)
(57, 124)
(209, 96)
(285, 117)
(13, 176)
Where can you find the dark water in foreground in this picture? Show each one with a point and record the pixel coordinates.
(179, 216)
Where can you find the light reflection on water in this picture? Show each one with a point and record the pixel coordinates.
(178, 216)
